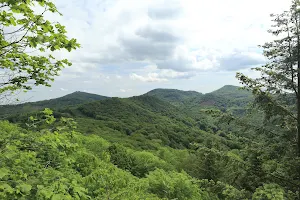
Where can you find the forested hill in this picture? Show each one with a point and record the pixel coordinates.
(72, 99)
(161, 116)
(224, 98)
(228, 98)
(174, 96)
(232, 91)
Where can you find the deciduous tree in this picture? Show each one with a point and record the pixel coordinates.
(277, 90)
(27, 40)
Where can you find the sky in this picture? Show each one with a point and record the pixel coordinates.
(129, 47)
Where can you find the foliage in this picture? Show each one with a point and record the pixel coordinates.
(269, 191)
(277, 89)
(175, 97)
(220, 190)
(49, 165)
(226, 98)
(64, 164)
(25, 30)
(139, 163)
(173, 185)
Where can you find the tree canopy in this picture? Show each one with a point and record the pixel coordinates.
(277, 89)
(27, 40)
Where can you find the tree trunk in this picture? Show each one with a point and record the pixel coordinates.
(298, 123)
(298, 103)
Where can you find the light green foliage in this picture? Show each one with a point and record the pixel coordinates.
(32, 160)
(24, 30)
(96, 145)
(177, 158)
(109, 182)
(139, 163)
(49, 165)
(173, 185)
(45, 121)
(269, 192)
(145, 162)
(64, 164)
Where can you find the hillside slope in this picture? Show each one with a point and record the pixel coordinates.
(169, 117)
(227, 98)
(142, 118)
(174, 96)
(72, 99)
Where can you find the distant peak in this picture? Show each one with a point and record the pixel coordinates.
(227, 88)
(230, 86)
(83, 95)
(171, 90)
(76, 92)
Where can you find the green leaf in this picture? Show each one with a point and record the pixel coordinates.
(25, 188)
(47, 111)
(40, 35)
(12, 21)
(7, 188)
(58, 197)
(4, 172)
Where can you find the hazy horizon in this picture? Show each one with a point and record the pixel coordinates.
(29, 99)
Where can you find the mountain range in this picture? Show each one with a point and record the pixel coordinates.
(227, 97)
(161, 116)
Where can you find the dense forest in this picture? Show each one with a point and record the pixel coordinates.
(163, 144)
(233, 143)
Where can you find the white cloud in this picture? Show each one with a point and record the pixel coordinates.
(125, 90)
(177, 39)
(164, 33)
(169, 34)
(186, 60)
(153, 74)
(171, 74)
(151, 77)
